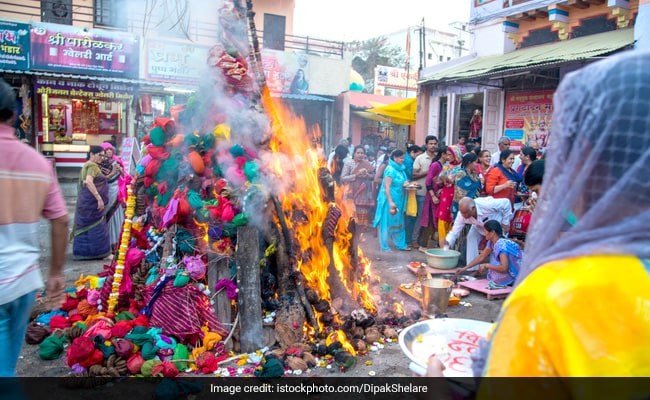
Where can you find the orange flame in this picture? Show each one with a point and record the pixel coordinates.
(295, 160)
(339, 336)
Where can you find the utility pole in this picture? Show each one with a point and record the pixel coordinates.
(422, 44)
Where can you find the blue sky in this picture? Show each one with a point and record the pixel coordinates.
(348, 20)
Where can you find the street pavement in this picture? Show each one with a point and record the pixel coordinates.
(389, 270)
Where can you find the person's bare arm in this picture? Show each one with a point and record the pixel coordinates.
(502, 267)
(484, 254)
(93, 190)
(55, 282)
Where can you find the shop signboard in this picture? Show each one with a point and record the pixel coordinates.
(286, 72)
(72, 49)
(528, 117)
(395, 78)
(84, 89)
(130, 154)
(175, 62)
(14, 45)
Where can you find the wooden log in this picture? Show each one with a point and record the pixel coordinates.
(168, 246)
(294, 278)
(337, 289)
(289, 320)
(353, 251)
(219, 268)
(247, 255)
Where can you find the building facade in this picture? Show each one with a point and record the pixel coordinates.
(520, 50)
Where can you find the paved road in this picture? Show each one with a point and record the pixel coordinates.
(389, 268)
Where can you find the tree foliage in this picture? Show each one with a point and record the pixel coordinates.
(368, 54)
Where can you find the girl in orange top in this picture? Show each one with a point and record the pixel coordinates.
(502, 181)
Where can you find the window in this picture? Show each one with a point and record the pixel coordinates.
(539, 36)
(440, 58)
(57, 11)
(274, 30)
(593, 25)
(429, 56)
(107, 13)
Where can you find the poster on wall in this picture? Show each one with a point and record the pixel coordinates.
(286, 72)
(62, 48)
(528, 117)
(14, 45)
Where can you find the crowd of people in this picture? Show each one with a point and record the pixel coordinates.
(457, 190)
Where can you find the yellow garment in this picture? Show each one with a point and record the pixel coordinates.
(444, 228)
(581, 317)
(411, 204)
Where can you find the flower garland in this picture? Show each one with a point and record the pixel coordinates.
(121, 255)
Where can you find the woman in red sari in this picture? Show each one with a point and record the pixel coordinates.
(502, 180)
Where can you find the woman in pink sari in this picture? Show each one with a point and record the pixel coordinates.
(443, 213)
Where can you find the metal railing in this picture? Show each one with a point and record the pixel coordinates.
(310, 45)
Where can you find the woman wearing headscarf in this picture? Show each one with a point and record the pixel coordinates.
(358, 174)
(391, 204)
(581, 301)
(502, 181)
(112, 167)
(90, 231)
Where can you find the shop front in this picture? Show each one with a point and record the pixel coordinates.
(84, 83)
(511, 93)
(75, 114)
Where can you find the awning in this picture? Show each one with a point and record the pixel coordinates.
(401, 112)
(310, 97)
(583, 48)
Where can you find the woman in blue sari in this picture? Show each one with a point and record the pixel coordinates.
(505, 257)
(90, 231)
(467, 182)
(391, 204)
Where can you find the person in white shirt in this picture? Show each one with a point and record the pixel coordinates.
(477, 212)
(504, 144)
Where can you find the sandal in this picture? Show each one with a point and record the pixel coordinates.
(405, 249)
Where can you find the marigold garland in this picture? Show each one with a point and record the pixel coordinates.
(124, 247)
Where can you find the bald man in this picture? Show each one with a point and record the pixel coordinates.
(476, 212)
